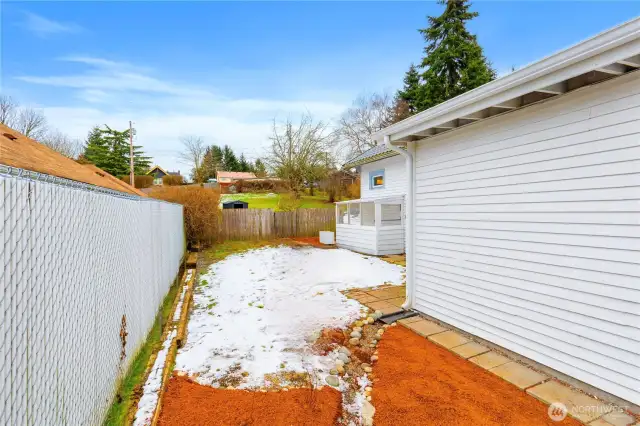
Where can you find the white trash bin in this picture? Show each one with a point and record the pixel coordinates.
(327, 237)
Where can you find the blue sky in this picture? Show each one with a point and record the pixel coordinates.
(223, 70)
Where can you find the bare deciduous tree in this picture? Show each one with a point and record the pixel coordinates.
(300, 153)
(31, 123)
(62, 143)
(8, 110)
(367, 115)
(193, 154)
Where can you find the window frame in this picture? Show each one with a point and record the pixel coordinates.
(372, 175)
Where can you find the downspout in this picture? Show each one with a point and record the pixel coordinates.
(409, 217)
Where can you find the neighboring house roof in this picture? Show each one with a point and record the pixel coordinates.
(17, 150)
(376, 153)
(236, 175)
(175, 173)
(611, 53)
(154, 168)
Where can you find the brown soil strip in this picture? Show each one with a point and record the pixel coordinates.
(188, 403)
(420, 383)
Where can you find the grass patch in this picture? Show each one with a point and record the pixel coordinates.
(221, 250)
(265, 201)
(133, 381)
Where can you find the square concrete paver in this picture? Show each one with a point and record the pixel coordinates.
(469, 349)
(449, 339)
(617, 418)
(600, 422)
(398, 301)
(366, 298)
(580, 406)
(423, 327)
(410, 320)
(383, 294)
(489, 360)
(518, 374)
(384, 307)
(398, 291)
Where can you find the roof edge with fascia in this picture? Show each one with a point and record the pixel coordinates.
(608, 54)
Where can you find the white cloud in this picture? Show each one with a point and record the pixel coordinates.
(44, 27)
(111, 92)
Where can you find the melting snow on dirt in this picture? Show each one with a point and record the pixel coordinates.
(260, 311)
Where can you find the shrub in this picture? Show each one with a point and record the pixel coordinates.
(172, 180)
(264, 185)
(201, 210)
(140, 181)
(353, 190)
(288, 202)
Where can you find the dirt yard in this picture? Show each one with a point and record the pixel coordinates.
(418, 383)
(188, 403)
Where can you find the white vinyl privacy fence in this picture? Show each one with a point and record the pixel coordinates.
(83, 273)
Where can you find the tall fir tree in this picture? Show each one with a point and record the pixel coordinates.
(454, 62)
(411, 90)
(243, 164)
(109, 149)
(230, 160)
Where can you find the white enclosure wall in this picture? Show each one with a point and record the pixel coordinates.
(361, 239)
(528, 232)
(78, 268)
(395, 178)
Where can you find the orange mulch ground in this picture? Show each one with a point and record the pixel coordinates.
(419, 383)
(312, 241)
(188, 403)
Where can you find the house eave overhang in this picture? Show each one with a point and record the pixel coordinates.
(606, 55)
(371, 159)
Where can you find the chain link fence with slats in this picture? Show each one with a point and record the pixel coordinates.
(84, 271)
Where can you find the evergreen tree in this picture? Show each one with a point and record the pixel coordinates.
(410, 92)
(230, 160)
(244, 165)
(109, 149)
(96, 150)
(454, 62)
(260, 169)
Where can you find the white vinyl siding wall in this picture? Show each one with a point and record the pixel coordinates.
(361, 239)
(395, 178)
(528, 232)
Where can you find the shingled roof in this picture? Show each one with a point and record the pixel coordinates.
(17, 150)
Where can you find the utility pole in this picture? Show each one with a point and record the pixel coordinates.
(131, 175)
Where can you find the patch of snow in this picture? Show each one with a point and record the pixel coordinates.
(272, 304)
(355, 407)
(149, 399)
(178, 311)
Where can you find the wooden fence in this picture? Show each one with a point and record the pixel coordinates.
(265, 224)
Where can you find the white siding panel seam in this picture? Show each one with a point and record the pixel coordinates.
(605, 354)
(603, 328)
(551, 346)
(533, 277)
(574, 134)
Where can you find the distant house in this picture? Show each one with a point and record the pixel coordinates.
(225, 179)
(158, 173)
